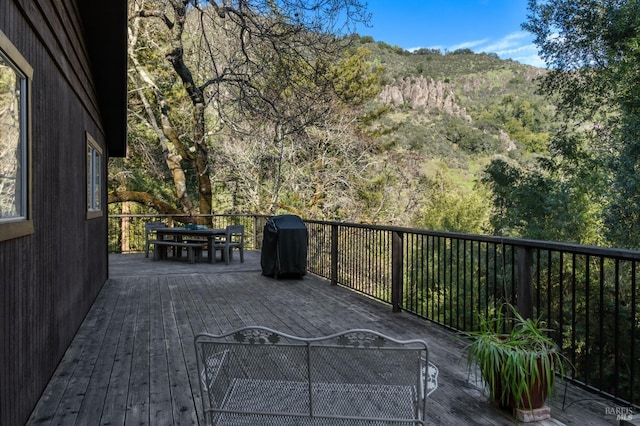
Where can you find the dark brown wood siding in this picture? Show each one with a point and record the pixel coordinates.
(49, 279)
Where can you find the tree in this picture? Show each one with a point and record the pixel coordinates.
(592, 49)
(535, 200)
(448, 207)
(201, 67)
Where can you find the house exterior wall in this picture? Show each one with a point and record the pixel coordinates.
(50, 277)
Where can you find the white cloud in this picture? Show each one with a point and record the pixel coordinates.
(511, 41)
(468, 44)
(517, 46)
(532, 59)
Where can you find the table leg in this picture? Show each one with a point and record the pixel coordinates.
(178, 249)
(211, 252)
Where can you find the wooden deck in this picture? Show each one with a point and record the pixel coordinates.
(132, 361)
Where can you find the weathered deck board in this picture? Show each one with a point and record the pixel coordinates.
(160, 408)
(139, 387)
(133, 362)
(93, 397)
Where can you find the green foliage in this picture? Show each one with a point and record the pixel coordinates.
(355, 78)
(348, 155)
(506, 114)
(449, 207)
(513, 363)
(371, 193)
(425, 51)
(623, 38)
(599, 313)
(526, 121)
(470, 139)
(398, 62)
(462, 52)
(592, 48)
(534, 202)
(366, 39)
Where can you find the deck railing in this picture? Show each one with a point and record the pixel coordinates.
(588, 296)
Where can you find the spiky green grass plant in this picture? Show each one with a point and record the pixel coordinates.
(513, 364)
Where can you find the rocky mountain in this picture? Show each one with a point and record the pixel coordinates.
(423, 92)
(461, 104)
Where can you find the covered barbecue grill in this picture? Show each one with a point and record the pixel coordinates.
(284, 247)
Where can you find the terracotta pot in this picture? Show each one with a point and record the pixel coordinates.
(538, 392)
(537, 397)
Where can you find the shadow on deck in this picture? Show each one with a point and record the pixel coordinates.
(133, 360)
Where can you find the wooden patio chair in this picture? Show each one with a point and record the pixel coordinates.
(234, 239)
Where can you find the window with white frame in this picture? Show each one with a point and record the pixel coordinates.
(94, 178)
(15, 139)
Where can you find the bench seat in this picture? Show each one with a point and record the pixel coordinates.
(366, 401)
(194, 249)
(256, 375)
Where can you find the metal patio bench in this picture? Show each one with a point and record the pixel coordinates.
(256, 375)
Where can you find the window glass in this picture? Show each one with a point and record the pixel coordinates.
(13, 144)
(94, 178)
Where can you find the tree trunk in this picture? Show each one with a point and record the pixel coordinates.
(200, 160)
(125, 245)
(172, 148)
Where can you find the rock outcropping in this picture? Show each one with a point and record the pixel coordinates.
(423, 92)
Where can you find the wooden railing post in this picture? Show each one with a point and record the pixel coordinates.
(525, 282)
(125, 229)
(256, 244)
(334, 254)
(397, 260)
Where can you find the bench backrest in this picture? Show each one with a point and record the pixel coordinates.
(260, 372)
(149, 226)
(235, 235)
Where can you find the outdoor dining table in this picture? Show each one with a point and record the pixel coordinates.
(179, 233)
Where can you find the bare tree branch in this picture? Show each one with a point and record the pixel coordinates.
(143, 198)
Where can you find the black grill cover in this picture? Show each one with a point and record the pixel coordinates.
(284, 247)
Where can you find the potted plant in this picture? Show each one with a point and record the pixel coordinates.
(518, 366)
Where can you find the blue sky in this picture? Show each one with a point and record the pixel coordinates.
(491, 26)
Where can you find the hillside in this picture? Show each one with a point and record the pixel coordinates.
(447, 115)
(413, 155)
(479, 93)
